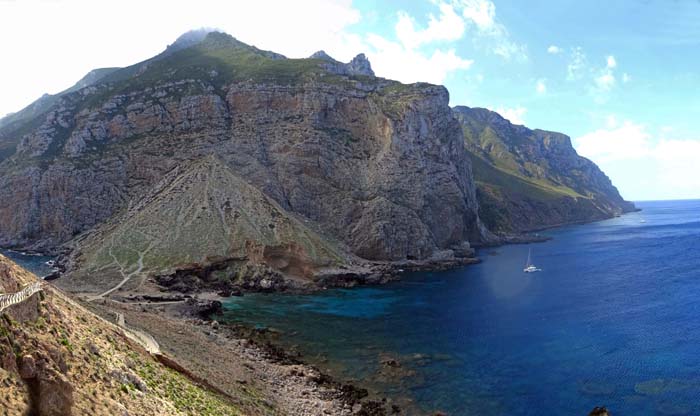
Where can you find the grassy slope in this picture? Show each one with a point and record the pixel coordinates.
(517, 185)
(501, 168)
(95, 358)
(488, 175)
(199, 212)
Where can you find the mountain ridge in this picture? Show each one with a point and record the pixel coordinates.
(377, 164)
(529, 179)
(386, 169)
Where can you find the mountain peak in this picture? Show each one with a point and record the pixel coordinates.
(189, 38)
(360, 65)
(322, 55)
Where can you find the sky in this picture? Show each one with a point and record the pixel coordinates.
(621, 78)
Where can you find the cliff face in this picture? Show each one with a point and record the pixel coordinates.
(375, 164)
(529, 179)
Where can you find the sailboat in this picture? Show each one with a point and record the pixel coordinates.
(529, 267)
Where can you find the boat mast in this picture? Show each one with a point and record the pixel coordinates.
(529, 251)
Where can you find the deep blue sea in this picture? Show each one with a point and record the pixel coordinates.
(613, 319)
(32, 262)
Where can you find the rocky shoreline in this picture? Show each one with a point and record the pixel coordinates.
(244, 357)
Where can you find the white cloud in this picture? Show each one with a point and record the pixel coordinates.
(414, 57)
(678, 162)
(481, 12)
(541, 86)
(605, 81)
(554, 49)
(602, 79)
(629, 140)
(577, 64)
(514, 115)
(448, 26)
(626, 78)
(611, 121)
(491, 34)
(394, 60)
(644, 164)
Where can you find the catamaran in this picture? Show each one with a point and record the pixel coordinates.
(529, 267)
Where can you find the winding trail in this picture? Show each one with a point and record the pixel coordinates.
(125, 277)
(141, 337)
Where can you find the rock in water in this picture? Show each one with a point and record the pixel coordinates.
(599, 411)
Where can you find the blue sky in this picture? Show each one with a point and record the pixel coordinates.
(620, 77)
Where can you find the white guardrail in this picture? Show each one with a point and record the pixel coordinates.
(7, 300)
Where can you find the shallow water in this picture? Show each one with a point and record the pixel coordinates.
(613, 319)
(34, 263)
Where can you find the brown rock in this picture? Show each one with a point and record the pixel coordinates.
(27, 367)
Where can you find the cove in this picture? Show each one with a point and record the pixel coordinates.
(613, 319)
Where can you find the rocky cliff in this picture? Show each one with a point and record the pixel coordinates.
(374, 164)
(531, 179)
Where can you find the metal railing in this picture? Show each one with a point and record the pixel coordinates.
(7, 300)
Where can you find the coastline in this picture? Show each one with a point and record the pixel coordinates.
(240, 357)
(289, 381)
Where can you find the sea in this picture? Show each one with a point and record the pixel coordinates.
(613, 319)
(35, 263)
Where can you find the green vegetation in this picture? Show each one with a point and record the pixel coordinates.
(218, 60)
(66, 343)
(185, 396)
(486, 174)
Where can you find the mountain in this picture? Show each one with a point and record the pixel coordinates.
(14, 125)
(199, 214)
(363, 163)
(57, 358)
(531, 179)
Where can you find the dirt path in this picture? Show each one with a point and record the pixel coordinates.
(126, 277)
(143, 338)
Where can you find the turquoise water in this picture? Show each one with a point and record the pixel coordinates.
(613, 319)
(34, 263)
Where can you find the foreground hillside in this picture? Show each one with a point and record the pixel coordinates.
(531, 179)
(59, 358)
(56, 358)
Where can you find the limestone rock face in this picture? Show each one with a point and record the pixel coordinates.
(530, 179)
(359, 65)
(378, 165)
